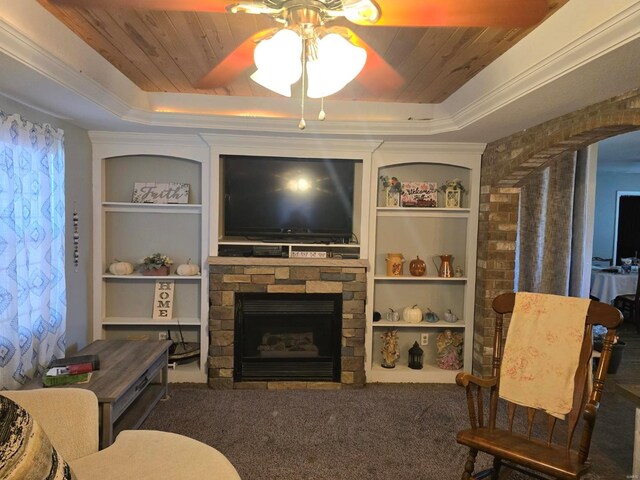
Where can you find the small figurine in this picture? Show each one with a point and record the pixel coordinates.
(389, 350)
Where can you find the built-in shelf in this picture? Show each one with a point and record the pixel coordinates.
(243, 247)
(150, 322)
(128, 207)
(424, 232)
(122, 229)
(240, 241)
(403, 324)
(184, 372)
(139, 276)
(401, 373)
(422, 212)
(424, 278)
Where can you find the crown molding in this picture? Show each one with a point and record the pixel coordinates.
(222, 143)
(553, 62)
(435, 148)
(113, 144)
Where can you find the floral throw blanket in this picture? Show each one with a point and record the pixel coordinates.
(542, 350)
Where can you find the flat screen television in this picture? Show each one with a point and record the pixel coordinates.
(288, 199)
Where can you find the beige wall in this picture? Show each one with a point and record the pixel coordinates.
(78, 196)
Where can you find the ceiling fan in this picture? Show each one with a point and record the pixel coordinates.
(331, 55)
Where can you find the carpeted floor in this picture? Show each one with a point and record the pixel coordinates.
(379, 432)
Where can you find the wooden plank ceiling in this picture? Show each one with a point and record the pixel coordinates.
(163, 51)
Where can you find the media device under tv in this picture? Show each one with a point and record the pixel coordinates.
(288, 199)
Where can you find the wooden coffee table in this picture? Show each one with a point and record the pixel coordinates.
(131, 381)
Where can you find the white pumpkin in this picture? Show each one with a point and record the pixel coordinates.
(120, 268)
(188, 269)
(412, 314)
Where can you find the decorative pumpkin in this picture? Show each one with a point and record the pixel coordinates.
(120, 268)
(450, 317)
(412, 314)
(417, 267)
(188, 269)
(392, 315)
(431, 316)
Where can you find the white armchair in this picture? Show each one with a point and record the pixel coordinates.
(69, 417)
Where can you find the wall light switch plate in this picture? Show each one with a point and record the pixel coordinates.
(424, 339)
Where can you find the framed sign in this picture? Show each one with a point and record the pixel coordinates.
(151, 192)
(163, 300)
(419, 194)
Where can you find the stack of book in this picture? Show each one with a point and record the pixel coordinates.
(70, 370)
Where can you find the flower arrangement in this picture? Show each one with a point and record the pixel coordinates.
(157, 260)
(455, 184)
(392, 183)
(599, 333)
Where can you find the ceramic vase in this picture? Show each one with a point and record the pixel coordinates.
(395, 264)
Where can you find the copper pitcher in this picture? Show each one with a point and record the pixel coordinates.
(445, 269)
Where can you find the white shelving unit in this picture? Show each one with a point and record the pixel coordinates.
(123, 304)
(427, 233)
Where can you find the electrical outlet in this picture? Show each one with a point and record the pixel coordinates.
(424, 339)
(163, 336)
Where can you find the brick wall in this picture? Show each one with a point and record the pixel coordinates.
(506, 164)
(284, 276)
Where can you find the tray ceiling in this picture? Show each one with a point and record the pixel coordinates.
(163, 51)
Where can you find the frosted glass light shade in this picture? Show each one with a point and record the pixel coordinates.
(279, 62)
(361, 10)
(338, 62)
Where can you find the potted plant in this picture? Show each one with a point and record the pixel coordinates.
(155, 264)
(392, 190)
(617, 350)
(453, 190)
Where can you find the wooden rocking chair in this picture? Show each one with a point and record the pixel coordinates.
(534, 449)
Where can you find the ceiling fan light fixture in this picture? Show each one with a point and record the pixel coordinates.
(278, 62)
(254, 8)
(359, 11)
(272, 82)
(337, 64)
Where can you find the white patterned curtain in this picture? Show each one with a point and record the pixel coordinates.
(32, 219)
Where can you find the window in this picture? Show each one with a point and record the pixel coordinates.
(32, 229)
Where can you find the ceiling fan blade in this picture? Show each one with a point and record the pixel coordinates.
(176, 5)
(460, 13)
(235, 63)
(377, 76)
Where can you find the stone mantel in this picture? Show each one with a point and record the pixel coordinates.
(289, 262)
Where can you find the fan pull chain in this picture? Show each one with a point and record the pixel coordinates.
(322, 115)
(302, 123)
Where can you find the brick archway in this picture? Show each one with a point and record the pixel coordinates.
(505, 164)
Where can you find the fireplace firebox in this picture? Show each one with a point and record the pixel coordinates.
(287, 336)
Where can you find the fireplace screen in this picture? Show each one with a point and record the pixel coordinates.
(287, 336)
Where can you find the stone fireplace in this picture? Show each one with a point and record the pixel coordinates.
(231, 276)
